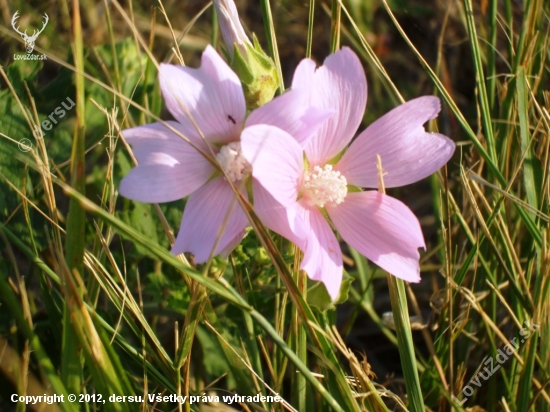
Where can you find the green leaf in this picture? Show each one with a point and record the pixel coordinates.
(141, 218)
(215, 364)
(14, 126)
(317, 295)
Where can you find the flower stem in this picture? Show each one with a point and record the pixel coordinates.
(299, 380)
(76, 220)
(335, 29)
(272, 41)
(398, 298)
(310, 28)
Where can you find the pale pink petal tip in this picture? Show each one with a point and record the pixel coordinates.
(408, 153)
(303, 75)
(339, 85)
(383, 229)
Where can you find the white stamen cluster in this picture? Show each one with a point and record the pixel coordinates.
(233, 162)
(324, 185)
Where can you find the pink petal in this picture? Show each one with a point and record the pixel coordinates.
(169, 168)
(232, 244)
(408, 153)
(383, 229)
(276, 159)
(304, 74)
(209, 209)
(212, 95)
(338, 85)
(322, 255)
(292, 113)
(283, 220)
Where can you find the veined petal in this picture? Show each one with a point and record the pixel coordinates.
(292, 113)
(212, 95)
(407, 151)
(322, 254)
(338, 85)
(276, 159)
(209, 209)
(383, 229)
(168, 168)
(283, 220)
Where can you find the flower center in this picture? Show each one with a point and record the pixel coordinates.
(324, 185)
(233, 162)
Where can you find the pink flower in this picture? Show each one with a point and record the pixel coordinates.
(209, 107)
(324, 192)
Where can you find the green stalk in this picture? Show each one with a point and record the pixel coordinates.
(542, 317)
(299, 392)
(509, 26)
(525, 390)
(272, 41)
(335, 26)
(398, 298)
(215, 29)
(526, 148)
(483, 98)
(76, 219)
(491, 64)
(310, 28)
(405, 344)
(526, 28)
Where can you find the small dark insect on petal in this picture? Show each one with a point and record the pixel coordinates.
(231, 119)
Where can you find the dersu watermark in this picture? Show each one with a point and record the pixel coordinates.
(492, 365)
(30, 40)
(47, 124)
(54, 116)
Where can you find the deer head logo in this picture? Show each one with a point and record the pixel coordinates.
(29, 40)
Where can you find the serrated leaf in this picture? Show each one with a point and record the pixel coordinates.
(141, 218)
(318, 297)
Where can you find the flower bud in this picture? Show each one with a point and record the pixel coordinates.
(257, 74)
(254, 67)
(230, 25)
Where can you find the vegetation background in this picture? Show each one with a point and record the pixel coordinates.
(92, 302)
